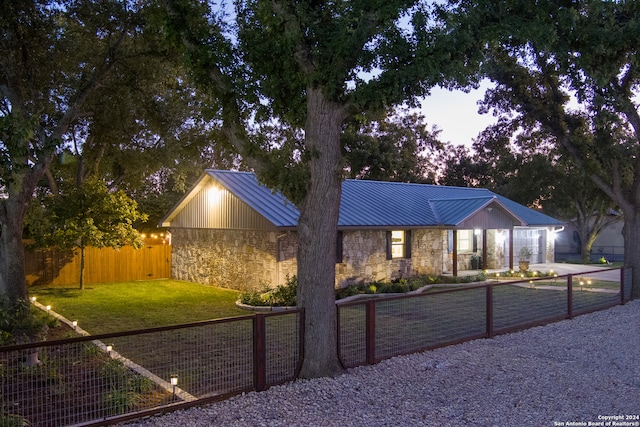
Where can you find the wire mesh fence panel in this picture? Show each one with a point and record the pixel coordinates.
(353, 334)
(71, 384)
(201, 361)
(594, 290)
(405, 325)
(516, 305)
(282, 347)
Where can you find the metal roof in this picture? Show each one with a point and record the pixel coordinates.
(382, 204)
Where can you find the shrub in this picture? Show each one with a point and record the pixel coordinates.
(9, 420)
(286, 295)
(23, 323)
(282, 296)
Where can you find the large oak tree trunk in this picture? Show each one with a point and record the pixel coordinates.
(13, 283)
(631, 232)
(317, 231)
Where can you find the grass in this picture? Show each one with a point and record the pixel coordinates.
(115, 307)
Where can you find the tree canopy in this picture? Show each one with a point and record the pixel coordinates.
(571, 67)
(87, 215)
(85, 89)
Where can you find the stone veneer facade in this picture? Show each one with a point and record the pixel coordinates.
(246, 259)
(364, 256)
(236, 259)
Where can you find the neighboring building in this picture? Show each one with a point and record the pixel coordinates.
(233, 232)
(609, 243)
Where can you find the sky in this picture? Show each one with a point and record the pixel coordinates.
(456, 114)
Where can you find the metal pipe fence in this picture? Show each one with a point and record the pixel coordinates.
(110, 378)
(378, 328)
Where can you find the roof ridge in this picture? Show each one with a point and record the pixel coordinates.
(416, 183)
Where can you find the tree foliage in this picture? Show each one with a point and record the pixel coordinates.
(549, 53)
(88, 90)
(398, 147)
(87, 215)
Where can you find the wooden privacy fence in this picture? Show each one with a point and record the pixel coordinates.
(59, 267)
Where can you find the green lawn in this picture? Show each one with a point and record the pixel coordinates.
(114, 307)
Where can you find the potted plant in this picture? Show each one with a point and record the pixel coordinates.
(476, 262)
(524, 258)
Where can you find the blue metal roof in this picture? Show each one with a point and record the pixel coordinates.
(382, 204)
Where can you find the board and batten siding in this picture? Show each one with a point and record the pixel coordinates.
(217, 208)
(491, 217)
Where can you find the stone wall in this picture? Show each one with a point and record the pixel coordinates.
(251, 259)
(365, 256)
(236, 259)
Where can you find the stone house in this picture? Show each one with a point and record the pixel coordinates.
(231, 231)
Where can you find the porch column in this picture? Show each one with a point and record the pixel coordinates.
(455, 253)
(511, 248)
(484, 249)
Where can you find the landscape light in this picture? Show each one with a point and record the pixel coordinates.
(75, 324)
(174, 382)
(33, 299)
(109, 348)
(48, 308)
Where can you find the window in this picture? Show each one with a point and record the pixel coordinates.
(398, 244)
(464, 240)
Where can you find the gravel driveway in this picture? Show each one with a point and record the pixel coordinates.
(570, 373)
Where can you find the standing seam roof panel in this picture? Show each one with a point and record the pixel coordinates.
(379, 204)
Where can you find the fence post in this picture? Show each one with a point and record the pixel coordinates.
(622, 299)
(570, 296)
(259, 353)
(371, 332)
(489, 310)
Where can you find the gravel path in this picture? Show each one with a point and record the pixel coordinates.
(569, 373)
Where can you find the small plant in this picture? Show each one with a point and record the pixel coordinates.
(119, 401)
(525, 254)
(127, 387)
(8, 420)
